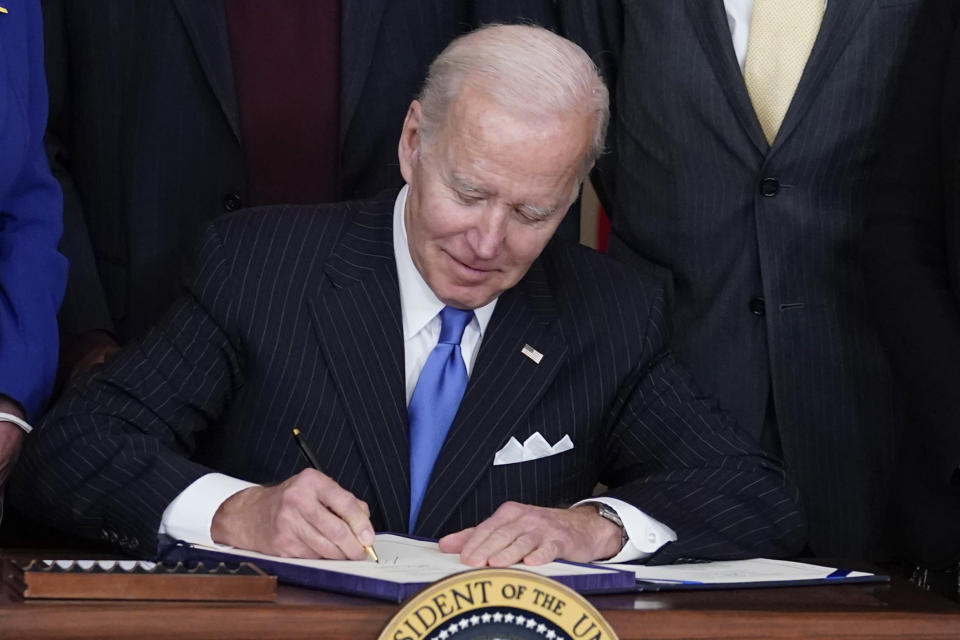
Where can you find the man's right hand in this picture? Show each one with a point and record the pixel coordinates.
(306, 516)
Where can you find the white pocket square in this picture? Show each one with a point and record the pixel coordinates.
(534, 448)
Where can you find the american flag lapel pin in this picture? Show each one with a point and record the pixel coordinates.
(532, 353)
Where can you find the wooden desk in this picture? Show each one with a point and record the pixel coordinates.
(844, 611)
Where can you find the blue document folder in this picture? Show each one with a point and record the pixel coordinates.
(407, 565)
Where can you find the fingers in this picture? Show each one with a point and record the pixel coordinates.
(453, 543)
(532, 535)
(522, 547)
(514, 533)
(306, 516)
(477, 548)
(330, 516)
(546, 552)
(355, 513)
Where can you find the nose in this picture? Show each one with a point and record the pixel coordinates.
(489, 233)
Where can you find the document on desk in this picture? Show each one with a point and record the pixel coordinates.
(406, 566)
(741, 574)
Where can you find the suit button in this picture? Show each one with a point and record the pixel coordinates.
(232, 202)
(769, 187)
(758, 306)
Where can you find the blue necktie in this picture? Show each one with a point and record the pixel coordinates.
(434, 403)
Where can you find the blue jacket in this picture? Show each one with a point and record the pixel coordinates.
(32, 272)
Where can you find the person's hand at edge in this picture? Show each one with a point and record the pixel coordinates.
(11, 439)
(80, 353)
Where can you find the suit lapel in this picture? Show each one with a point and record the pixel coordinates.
(359, 29)
(206, 26)
(358, 322)
(504, 386)
(709, 20)
(839, 23)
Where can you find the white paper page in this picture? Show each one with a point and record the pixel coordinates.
(403, 560)
(732, 571)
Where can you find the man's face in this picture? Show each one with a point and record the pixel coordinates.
(486, 196)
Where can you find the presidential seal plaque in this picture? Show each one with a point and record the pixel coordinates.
(497, 604)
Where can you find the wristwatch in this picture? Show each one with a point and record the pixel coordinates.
(609, 513)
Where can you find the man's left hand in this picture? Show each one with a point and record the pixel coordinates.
(535, 535)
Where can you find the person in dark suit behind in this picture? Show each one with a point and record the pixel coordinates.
(424, 345)
(742, 133)
(166, 114)
(32, 272)
(912, 255)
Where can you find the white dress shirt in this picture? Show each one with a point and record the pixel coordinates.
(189, 516)
(739, 13)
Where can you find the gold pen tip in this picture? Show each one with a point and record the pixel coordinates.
(296, 432)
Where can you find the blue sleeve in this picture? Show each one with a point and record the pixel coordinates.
(32, 272)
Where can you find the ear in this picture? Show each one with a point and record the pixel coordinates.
(409, 148)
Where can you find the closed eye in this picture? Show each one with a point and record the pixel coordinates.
(533, 215)
(468, 198)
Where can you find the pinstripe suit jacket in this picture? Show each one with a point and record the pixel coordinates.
(763, 242)
(145, 132)
(293, 319)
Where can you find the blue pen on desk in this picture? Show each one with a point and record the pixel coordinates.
(312, 459)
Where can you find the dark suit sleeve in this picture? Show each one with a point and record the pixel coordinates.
(911, 238)
(597, 26)
(85, 304)
(112, 455)
(673, 454)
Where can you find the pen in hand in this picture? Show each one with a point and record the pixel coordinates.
(312, 459)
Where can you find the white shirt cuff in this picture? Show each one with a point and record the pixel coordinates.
(645, 534)
(190, 515)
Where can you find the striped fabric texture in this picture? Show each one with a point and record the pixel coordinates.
(764, 241)
(293, 320)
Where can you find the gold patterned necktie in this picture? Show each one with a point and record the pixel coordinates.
(782, 33)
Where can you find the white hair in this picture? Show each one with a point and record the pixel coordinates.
(525, 69)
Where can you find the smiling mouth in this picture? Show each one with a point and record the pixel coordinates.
(467, 267)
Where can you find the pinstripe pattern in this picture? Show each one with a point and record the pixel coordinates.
(145, 136)
(293, 319)
(683, 187)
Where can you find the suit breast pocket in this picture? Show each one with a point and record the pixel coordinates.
(553, 481)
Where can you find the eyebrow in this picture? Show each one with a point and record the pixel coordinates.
(539, 212)
(465, 186)
(460, 184)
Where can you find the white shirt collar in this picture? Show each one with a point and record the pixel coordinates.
(418, 303)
